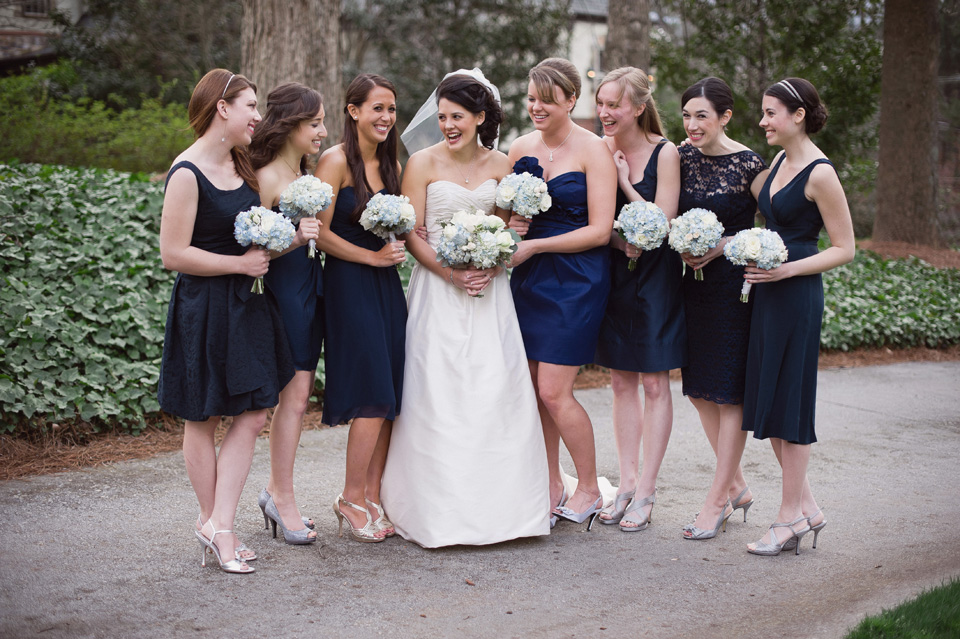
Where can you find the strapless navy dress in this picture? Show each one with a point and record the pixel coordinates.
(718, 323)
(644, 329)
(224, 348)
(561, 297)
(366, 323)
(781, 394)
(297, 283)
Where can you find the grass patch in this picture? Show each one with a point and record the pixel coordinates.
(935, 614)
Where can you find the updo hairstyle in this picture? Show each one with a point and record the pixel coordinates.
(803, 94)
(715, 90)
(473, 96)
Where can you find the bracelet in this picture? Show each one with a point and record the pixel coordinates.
(451, 278)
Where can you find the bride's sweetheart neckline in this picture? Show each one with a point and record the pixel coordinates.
(462, 186)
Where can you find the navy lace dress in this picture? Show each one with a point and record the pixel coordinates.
(781, 393)
(644, 329)
(366, 315)
(718, 323)
(224, 348)
(297, 283)
(561, 297)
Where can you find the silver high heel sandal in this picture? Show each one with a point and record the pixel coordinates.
(234, 565)
(616, 512)
(641, 521)
(368, 534)
(737, 504)
(238, 549)
(381, 522)
(262, 500)
(293, 537)
(578, 518)
(791, 543)
(699, 534)
(563, 500)
(772, 550)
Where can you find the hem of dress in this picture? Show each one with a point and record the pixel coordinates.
(354, 413)
(713, 399)
(475, 544)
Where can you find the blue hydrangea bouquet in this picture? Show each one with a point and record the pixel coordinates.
(524, 194)
(305, 197)
(475, 239)
(758, 247)
(695, 232)
(265, 228)
(643, 225)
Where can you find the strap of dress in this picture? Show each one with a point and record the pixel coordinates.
(184, 164)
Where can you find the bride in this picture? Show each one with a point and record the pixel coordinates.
(467, 463)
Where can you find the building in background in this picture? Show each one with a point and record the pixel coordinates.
(27, 29)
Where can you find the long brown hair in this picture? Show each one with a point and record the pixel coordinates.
(357, 93)
(216, 85)
(288, 106)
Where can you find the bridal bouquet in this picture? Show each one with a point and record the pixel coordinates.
(387, 216)
(523, 193)
(695, 232)
(475, 239)
(305, 197)
(763, 247)
(643, 225)
(265, 228)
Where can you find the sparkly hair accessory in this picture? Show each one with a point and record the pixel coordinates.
(227, 85)
(792, 91)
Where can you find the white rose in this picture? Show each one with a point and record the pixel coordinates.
(546, 203)
(507, 193)
(266, 223)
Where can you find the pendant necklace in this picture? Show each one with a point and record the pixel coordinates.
(295, 172)
(466, 178)
(572, 125)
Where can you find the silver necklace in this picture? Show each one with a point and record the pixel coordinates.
(466, 178)
(572, 125)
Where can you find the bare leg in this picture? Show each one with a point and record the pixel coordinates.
(807, 503)
(551, 438)
(628, 426)
(555, 390)
(284, 439)
(377, 463)
(657, 426)
(361, 444)
(710, 420)
(200, 456)
(731, 439)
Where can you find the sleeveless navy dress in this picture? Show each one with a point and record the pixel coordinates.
(644, 329)
(781, 393)
(224, 348)
(718, 323)
(297, 283)
(366, 317)
(561, 297)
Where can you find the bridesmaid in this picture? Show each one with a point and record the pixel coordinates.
(561, 276)
(801, 196)
(366, 312)
(292, 128)
(724, 176)
(216, 328)
(643, 330)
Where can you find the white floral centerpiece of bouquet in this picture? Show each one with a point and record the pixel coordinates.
(695, 232)
(305, 197)
(388, 216)
(265, 228)
(763, 247)
(475, 239)
(641, 224)
(524, 194)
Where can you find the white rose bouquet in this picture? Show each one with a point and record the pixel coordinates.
(475, 239)
(524, 194)
(763, 247)
(695, 232)
(643, 225)
(265, 228)
(305, 197)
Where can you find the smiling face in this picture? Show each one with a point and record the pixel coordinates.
(777, 121)
(615, 111)
(241, 116)
(309, 135)
(546, 115)
(702, 123)
(376, 116)
(459, 126)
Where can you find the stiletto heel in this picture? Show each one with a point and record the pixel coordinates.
(381, 522)
(563, 500)
(368, 534)
(615, 511)
(239, 549)
(815, 529)
(772, 550)
(699, 534)
(234, 565)
(262, 502)
(736, 503)
(293, 537)
(578, 518)
(637, 507)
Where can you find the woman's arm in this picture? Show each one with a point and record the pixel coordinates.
(176, 230)
(271, 187)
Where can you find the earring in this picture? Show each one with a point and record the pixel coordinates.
(355, 118)
(223, 136)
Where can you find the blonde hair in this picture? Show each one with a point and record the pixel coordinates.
(555, 72)
(635, 85)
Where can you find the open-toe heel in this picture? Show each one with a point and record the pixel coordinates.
(699, 534)
(369, 533)
(736, 503)
(635, 515)
(578, 518)
(790, 543)
(616, 511)
(234, 565)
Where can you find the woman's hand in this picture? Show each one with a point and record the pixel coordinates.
(470, 279)
(756, 275)
(623, 169)
(697, 262)
(309, 229)
(519, 224)
(630, 250)
(525, 250)
(254, 262)
(391, 254)
(421, 232)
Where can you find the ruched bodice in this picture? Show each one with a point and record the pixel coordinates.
(445, 198)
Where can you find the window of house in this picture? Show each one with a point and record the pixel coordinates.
(40, 9)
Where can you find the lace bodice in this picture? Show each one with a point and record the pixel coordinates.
(446, 198)
(720, 183)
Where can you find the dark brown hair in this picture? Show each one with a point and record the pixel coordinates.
(288, 106)
(814, 110)
(716, 91)
(470, 93)
(216, 85)
(357, 93)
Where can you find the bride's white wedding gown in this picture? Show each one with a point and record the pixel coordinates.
(467, 463)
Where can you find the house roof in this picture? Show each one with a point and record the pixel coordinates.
(589, 8)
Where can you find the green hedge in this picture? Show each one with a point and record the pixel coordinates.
(43, 124)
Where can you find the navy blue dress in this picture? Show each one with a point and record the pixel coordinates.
(781, 394)
(560, 297)
(644, 329)
(224, 348)
(366, 316)
(297, 283)
(718, 323)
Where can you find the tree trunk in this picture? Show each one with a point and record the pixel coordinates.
(295, 41)
(628, 35)
(907, 175)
